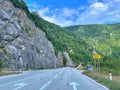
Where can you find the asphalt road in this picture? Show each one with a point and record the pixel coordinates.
(54, 79)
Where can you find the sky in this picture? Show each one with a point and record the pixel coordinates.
(77, 12)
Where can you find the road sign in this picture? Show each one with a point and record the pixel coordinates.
(96, 56)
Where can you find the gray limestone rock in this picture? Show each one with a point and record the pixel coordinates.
(22, 44)
(69, 60)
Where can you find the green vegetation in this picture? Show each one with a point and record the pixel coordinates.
(62, 39)
(104, 79)
(110, 64)
(37, 49)
(0, 65)
(4, 51)
(64, 60)
(20, 4)
(106, 40)
(2, 73)
(6, 72)
(26, 29)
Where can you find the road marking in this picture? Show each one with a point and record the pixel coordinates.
(91, 79)
(42, 88)
(95, 82)
(16, 81)
(56, 76)
(20, 85)
(61, 71)
(74, 84)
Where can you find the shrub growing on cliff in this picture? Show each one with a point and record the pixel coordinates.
(0, 65)
(64, 60)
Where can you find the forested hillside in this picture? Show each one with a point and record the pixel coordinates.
(105, 39)
(62, 39)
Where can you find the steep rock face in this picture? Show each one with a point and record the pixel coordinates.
(60, 58)
(69, 60)
(22, 44)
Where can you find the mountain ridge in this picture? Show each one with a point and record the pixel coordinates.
(103, 38)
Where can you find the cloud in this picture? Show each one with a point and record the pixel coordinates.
(63, 17)
(34, 5)
(92, 14)
(100, 13)
(113, 12)
(42, 12)
(97, 12)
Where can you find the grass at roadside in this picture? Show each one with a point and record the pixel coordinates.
(2, 73)
(104, 79)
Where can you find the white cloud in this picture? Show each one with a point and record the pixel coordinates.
(97, 8)
(43, 11)
(92, 13)
(63, 17)
(100, 13)
(95, 13)
(82, 8)
(34, 5)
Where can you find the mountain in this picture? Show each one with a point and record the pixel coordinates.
(103, 38)
(25, 40)
(64, 41)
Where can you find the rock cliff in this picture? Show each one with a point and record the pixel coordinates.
(68, 63)
(69, 60)
(22, 44)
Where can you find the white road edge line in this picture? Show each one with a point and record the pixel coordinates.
(42, 88)
(96, 82)
(93, 80)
